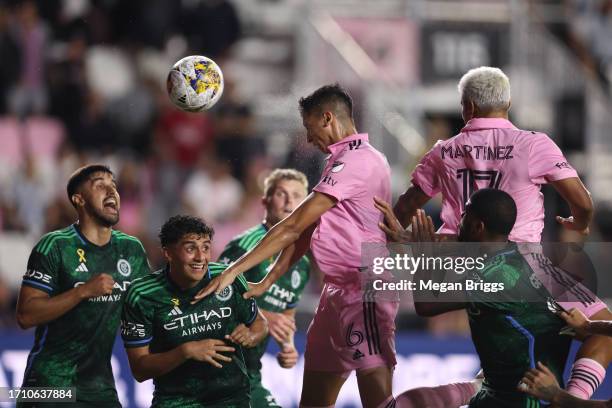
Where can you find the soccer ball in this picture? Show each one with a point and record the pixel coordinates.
(195, 83)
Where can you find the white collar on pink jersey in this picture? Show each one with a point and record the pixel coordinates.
(487, 123)
(335, 148)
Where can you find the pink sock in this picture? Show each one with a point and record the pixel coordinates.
(586, 377)
(445, 396)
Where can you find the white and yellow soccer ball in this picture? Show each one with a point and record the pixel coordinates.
(195, 83)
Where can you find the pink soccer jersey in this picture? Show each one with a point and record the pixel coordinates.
(492, 153)
(355, 172)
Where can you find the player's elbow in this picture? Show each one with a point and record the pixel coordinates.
(24, 320)
(140, 377)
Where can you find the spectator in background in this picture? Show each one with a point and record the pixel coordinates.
(211, 26)
(9, 55)
(29, 96)
(133, 214)
(236, 139)
(212, 178)
(30, 196)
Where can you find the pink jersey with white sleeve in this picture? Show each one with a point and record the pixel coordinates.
(493, 153)
(355, 172)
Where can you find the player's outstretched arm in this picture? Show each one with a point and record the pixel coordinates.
(250, 336)
(284, 261)
(146, 365)
(541, 383)
(579, 200)
(407, 204)
(36, 307)
(278, 238)
(577, 320)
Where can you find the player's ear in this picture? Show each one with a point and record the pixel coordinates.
(167, 254)
(77, 200)
(327, 118)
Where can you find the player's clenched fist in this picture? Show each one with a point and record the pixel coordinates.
(208, 351)
(288, 357)
(242, 335)
(281, 327)
(98, 285)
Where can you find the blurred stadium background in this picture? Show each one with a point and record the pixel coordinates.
(84, 81)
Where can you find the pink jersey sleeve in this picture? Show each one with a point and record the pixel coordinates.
(425, 174)
(546, 161)
(342, 180)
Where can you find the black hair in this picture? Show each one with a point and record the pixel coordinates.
(180, 225)
(495, 208)
(333, 97)
(82, 175)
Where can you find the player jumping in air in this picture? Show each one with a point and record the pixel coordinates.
(187, 348)
(284, 189)
(73, 291)
(349, 332)
(491, 152)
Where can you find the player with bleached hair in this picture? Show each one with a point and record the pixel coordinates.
(490, 152)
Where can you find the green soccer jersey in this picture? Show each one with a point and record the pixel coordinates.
(512, 332)
(282, 295)
(75, 349)
(159, 314)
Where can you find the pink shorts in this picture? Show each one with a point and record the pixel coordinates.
(568, 292)
(351, 331)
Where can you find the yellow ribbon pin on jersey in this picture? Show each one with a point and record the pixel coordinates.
(81, 254)
(175, 302)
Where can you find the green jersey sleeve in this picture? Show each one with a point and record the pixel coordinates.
(43, 266)
(136, 320)
(142, 266)
(246, 309)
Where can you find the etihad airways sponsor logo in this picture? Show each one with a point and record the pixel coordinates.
(195, 318)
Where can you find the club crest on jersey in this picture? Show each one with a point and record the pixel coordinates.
(124, 267)
(337, 166)
(225, 294)
(296, 279)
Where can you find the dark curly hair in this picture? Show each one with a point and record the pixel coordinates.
(332, 97)
(180, 225)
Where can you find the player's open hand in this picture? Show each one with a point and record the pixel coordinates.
(422, 228)
(242, 335)
(540, 383)
(281, 327)
(571, 225)
(391, 227)
(576, 319)
(216, 285)
(256, 289)
(98, 285)
(288, 356)
(208, 351)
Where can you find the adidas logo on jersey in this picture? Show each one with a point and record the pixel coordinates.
(81, 268)
(175, 311)
(358, 354)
